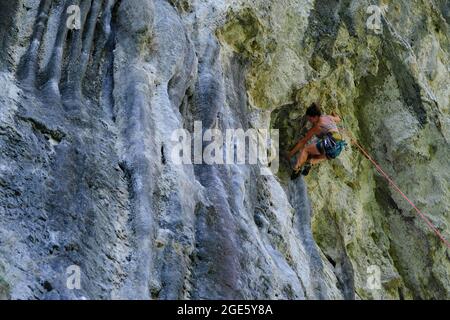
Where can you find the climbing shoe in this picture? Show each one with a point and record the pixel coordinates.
(296, 174)
(301, 171)
(306, 169)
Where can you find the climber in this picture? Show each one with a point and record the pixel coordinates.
(329, 145)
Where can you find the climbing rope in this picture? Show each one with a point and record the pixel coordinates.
(394, 185)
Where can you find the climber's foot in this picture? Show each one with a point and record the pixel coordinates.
(298, 171)
(301, 171)
(306, 169)
(295, 174)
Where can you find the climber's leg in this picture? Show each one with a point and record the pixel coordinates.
(307, 167)
(316, 159)
(307, 152)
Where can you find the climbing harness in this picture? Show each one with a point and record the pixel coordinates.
(332, 145)
(394, 185)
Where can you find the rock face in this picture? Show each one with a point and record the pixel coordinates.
(87, 178)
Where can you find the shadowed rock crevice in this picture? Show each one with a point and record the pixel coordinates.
(7, 38)
(323, 27)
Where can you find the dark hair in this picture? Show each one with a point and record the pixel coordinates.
(314, 111)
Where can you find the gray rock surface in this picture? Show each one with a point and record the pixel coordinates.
(87, 177)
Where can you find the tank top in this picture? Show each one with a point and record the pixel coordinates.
(326, 125)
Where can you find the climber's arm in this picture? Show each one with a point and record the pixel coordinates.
(303, 141)
(336, 118)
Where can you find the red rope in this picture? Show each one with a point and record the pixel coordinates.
(423, 216)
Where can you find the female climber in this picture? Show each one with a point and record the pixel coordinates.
(329, 145)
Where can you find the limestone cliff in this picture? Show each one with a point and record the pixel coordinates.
(87, 180)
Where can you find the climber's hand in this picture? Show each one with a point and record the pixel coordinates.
(288, 155)
(336, 117)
